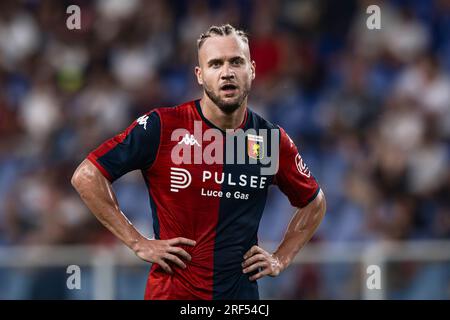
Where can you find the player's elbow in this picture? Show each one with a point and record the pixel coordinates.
(81, 176)
(76, 179)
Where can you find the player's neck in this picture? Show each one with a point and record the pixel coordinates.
(221, 119)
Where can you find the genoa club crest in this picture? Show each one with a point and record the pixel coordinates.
(255, 146)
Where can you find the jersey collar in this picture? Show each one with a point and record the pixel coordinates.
(243, 125)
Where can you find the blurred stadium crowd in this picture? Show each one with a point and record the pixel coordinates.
(369, 110)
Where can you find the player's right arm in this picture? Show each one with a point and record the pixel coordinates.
(93, 181)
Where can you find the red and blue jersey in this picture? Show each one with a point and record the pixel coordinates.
(219, 204)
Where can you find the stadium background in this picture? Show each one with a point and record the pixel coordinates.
(369, 110)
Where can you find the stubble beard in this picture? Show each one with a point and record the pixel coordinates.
(227, 107)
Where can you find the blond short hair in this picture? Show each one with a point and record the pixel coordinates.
(221, 31)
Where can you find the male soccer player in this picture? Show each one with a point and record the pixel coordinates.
(205, 214)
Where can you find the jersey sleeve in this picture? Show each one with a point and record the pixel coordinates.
(293, 176)
(134, 148)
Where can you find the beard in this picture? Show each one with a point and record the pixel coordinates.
(228, 107)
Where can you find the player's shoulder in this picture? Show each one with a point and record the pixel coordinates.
(259, 122)
(176, 110)
(176, 115)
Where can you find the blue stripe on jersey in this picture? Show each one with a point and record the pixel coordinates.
(137, 151)
(236, 231)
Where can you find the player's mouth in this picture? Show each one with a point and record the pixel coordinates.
(229, 88)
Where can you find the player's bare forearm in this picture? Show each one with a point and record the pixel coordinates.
(300, 230)
(97, 193)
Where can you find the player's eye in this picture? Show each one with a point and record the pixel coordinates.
(215, 64)
(237, 62)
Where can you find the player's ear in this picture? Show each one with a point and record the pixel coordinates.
(253, 67)
(198, 73)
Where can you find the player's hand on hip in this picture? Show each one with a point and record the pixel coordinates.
(162, 252)
(259, 259)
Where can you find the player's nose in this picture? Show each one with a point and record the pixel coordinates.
(227, 73)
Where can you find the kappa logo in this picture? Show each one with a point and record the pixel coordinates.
(301, 166)
(189, 140)
(143, 121)
(179, 179)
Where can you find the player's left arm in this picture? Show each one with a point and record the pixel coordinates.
(299, 231)
(304, 193)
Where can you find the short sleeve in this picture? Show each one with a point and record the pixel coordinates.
(293, 176)
(133, 149)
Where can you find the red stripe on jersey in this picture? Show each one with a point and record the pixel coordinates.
(91, 157)
(178, 218)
